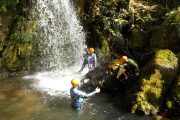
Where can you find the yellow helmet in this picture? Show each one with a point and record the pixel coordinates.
(75, 82)
(91, 50)
(123, 59)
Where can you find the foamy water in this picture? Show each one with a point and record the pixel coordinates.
(56, 82)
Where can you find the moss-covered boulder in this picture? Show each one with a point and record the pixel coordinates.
(155, 82)
(173, 101)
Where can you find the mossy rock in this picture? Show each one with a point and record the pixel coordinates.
(165, 60)
(155, 81)
(104, 43)
(175, 95)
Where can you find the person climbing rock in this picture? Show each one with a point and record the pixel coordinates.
(130, 65)
(89, 59)
(77, 96)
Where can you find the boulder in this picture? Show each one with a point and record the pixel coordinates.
(155, 81)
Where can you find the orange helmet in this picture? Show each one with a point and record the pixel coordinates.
(75, 82)
(123, 59)
(91, 50)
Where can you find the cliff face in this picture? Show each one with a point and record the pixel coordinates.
(18, 29)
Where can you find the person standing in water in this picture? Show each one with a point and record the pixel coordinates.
(77, 96)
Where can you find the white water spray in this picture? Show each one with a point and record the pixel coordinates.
(61, 41)
(61, 45)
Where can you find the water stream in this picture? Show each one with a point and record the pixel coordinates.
(61, 39)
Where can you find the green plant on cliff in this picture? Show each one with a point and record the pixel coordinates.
(109, 17)
(145, 15)
(18, 51)
(173, 16)
(8, 5)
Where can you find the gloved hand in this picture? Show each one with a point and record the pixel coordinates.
(86, 80)
(97, 90)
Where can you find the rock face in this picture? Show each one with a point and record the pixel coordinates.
(18, 29)
(173, 102)
(138, 29)
(155, 82)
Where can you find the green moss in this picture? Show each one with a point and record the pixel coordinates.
(173, 16)
(150, 93)
(6, 5)
(104, 44)
(19, 48)
(166, 59)
(108, 17)
(24, 50)
(156, 82)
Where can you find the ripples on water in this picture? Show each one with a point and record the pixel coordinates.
(45, 96)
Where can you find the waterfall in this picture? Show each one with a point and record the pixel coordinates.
(61, 39)
(60, 49)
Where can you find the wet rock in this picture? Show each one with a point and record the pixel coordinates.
(155, 81)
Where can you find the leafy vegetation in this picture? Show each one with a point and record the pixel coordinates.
(8, 5)
(17, 35)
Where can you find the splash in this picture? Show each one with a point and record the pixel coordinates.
(56, 82)
(60, 49)
(61, 39)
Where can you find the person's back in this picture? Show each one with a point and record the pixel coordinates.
(78, 96)
(133, 65)
(92, 61)
(89, 59)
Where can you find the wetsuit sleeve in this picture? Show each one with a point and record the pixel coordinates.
(83, 94)
(81, 84)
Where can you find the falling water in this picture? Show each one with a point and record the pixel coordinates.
(61, 44)
(61, 39)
